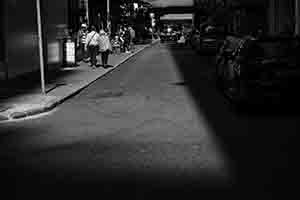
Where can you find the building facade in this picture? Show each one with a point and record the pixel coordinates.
(19, 49)
(98, 13)
(284, 16)
(246, 16)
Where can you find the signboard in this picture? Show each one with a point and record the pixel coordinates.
(70, 52)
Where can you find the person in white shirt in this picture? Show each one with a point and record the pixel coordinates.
(92, 45)
(81, 41)
(105, 47)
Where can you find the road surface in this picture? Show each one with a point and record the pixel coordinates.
(156, 127)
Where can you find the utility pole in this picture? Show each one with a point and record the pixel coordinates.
(87, 11)
(41, 55)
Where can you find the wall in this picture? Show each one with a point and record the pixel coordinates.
(21, 37)
(21, 41)
(249, 16)
(74, 14)
(281, 16)
(55, 28)
(97, 7)
(2, 49)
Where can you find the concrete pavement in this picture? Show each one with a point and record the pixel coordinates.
(74, 79)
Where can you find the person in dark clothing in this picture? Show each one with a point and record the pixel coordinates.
(126, 39)
(92, 45)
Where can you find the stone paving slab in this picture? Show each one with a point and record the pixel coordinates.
(33, 103)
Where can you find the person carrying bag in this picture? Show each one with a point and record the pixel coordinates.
(92, 45)
(105, 47)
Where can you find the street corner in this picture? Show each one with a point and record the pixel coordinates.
(4, 108)
(17, 115)
(25, 110)
(51, 104)
(3, 118)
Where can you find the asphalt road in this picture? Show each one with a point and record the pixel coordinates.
(156, 127)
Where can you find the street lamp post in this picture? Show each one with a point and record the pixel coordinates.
(41, 55)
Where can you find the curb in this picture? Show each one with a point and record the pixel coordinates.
(52, 104)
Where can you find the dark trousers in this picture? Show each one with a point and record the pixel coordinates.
(93, 51)
(104, 57)
(81, 53)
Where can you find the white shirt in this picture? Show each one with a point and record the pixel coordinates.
(92, 39)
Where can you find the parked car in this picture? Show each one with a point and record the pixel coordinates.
(168, 34)
(252, 69)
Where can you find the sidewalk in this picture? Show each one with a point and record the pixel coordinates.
(19, 102)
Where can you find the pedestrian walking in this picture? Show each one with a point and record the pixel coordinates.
(122, 40)
(132, 38)
(81, 41)
(126, 39)
(116, 44)
(105, 47)
(92, 45)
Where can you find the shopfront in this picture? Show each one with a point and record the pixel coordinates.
(19, 48)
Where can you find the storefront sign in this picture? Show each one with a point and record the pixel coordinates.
(70, 52)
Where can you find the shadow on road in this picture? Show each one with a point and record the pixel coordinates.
(30, 83)
(260, 141)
